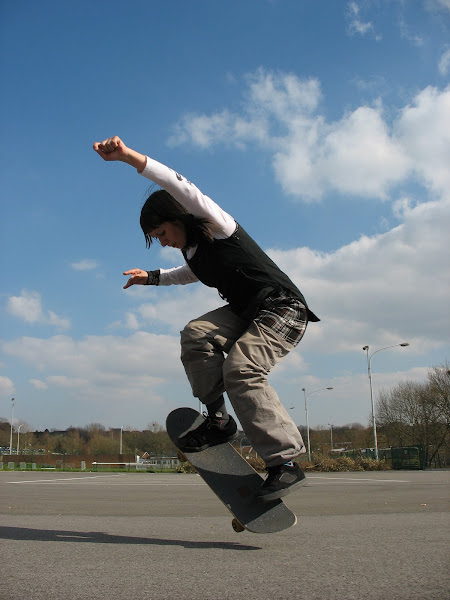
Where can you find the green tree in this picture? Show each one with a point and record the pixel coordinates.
(101, 443)
(5, 432)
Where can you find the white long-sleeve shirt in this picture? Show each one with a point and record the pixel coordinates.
(220, 223)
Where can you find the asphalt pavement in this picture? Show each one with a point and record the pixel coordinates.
(359, 536)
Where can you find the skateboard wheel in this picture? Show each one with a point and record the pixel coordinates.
(237, 526)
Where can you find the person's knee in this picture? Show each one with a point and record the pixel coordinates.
(189, 337)
(195, 340)
(192, 332)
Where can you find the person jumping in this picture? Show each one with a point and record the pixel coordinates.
(233, 348)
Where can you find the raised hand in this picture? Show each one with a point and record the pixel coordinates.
(112, 149)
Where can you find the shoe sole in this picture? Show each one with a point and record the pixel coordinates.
(281, 493)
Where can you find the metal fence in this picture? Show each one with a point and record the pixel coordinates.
(399, 457)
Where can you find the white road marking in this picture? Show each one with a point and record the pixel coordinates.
(353, 480)
(71, 480)
(87, 478)
(311, 480)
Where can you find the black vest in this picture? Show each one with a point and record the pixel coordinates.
(242, 273)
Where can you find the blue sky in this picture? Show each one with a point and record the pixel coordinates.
(322, 126)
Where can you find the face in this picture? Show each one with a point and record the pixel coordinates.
(171, 234)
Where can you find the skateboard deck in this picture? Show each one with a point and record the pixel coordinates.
(232, 479)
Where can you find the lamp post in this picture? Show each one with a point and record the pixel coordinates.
(331, 435)
(369, 371)
(306, 410)
(120, 445)
(12, 420)
(18, 437)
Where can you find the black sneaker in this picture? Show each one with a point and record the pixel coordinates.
(211, 432)
(281, 480)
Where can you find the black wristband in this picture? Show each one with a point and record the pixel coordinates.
(153, 277)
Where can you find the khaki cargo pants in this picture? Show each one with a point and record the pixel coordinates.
(222, 353)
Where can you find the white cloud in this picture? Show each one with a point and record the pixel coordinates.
(355, 25)
(350, 393)
(169, 256)
(87, 264)
(282, 94)
(104, 373)
(355, 156)
(423, 132)
(361, 154)
(169, 307)
(28, 307)
(444, 62)
(271, 99)
(405, 33)
(63, 381)
(103, 356)
(131, 321)
(175, 308)
(384, 289)
(438, 5)
(202, 130)
(38, 384)
(401, 207)
(6, 386)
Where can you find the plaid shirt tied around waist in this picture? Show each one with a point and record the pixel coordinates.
(285, 315)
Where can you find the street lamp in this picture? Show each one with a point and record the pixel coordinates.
(18, 437)
(12, 419)
(331, 435)
(120, 445)
(369, 358)
(306, 410)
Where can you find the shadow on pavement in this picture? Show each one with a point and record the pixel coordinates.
(97, 537)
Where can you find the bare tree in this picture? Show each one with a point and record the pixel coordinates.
(414, 413)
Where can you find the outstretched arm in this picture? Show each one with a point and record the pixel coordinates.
(113, 149)
(181, 275)
(222, 225)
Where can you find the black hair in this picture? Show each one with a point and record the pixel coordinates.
(160, 207)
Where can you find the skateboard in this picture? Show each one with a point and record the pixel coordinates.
(232, 479)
